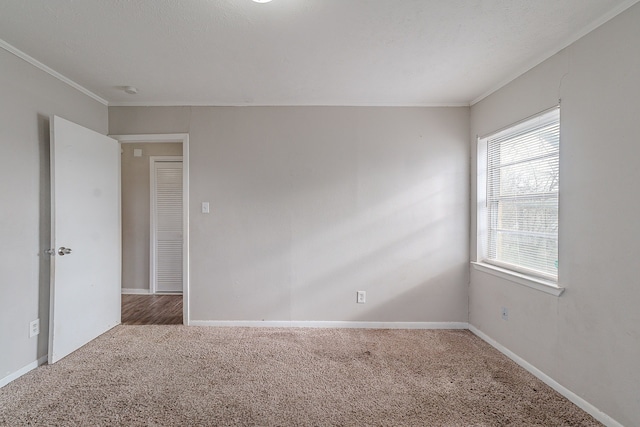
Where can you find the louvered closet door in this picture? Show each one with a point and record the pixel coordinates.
(166, 252)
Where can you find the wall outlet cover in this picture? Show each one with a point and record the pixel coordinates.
(34, 328)
(361, 297)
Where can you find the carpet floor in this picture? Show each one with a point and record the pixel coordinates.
(205, 376)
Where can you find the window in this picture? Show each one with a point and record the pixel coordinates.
(518, 177)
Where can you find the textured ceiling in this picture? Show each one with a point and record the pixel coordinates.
(296, 52)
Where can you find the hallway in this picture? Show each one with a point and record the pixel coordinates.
(152, 309)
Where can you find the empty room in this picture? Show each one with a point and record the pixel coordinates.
(320, 212)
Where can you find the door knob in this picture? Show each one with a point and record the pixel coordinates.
(64, 251)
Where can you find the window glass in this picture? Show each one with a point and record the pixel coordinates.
(522, 187)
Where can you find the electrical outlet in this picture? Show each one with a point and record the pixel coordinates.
(361, 297)
(34, 328)
(504, 312)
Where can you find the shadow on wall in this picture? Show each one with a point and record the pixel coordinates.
(408, 251)
(416, 298)
(44, 233)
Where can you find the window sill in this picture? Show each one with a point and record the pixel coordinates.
(519, 278)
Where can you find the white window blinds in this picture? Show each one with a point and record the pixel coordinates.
(522, 196)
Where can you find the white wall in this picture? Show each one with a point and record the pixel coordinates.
(136, 215)
(27, 97)
(589, 338)
(311, 204)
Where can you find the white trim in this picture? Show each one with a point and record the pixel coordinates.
(20, 372)
(330, 324)
(565, 43)
(160, 159)
(133, 291)
(184, 139)
(571, 396)
(152, 138)
(519, 278)
(241, 104)
(31, 60)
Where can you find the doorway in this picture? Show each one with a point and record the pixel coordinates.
(154, 259)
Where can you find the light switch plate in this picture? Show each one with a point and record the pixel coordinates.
(205, 207)
(137, 152)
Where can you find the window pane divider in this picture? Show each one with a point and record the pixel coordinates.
(529, 159)
(551, 236)
(527, 196)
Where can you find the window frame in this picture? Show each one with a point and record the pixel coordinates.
(514, 273)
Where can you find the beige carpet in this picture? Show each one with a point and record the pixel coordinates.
(198, 376)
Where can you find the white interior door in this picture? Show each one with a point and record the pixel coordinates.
(166, 224)
(85, 235)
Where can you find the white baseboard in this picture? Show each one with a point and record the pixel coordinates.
(132, 291)
(571, 396)
(329, 324)
(20, 372)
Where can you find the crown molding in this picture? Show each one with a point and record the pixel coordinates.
(31, 60)
(214, 104)
(564, 44)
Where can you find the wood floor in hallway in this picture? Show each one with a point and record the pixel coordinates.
(152, 309)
